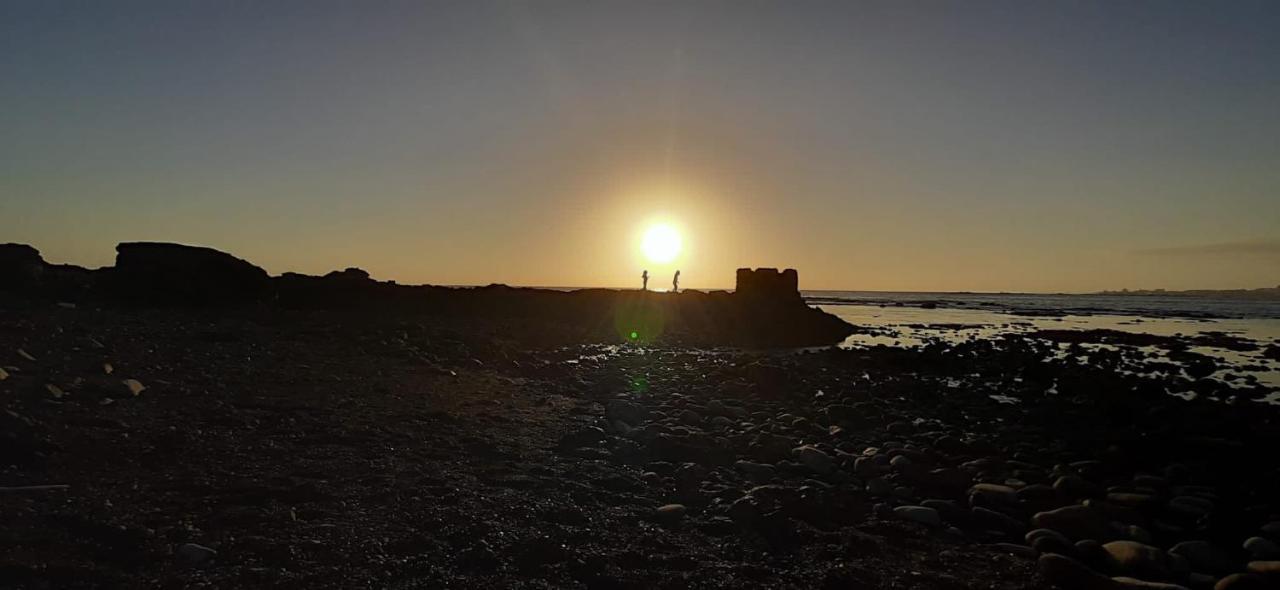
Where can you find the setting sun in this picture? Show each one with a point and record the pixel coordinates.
(661, 243)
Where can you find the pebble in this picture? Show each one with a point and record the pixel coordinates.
(813, 458)
(1076, 522)
(1126, 583)
(670, 513)
(1069, 574)
(919, 514)
(878, 486)
(191, 554)
(1135, 558)
(865, 467)
(1260, 548)
(1265, 568)
(986, 494)
(1077, 487)
(1243, 582)
(1016, 549)
(756, 471)
(629, 412)
(1203, 556)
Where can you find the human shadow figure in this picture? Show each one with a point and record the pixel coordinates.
(645, 277)
(675, 283)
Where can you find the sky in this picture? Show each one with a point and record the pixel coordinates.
(980, 146)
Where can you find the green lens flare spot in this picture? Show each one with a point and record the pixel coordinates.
(634, 335)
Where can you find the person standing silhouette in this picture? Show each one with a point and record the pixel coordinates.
(675, 283)
(644, 276)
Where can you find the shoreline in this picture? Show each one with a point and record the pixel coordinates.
(338, 448)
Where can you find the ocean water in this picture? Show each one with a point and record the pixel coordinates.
(1146, 305)
(911, 319)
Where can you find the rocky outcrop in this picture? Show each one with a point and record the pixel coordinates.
(175, 274)
(765, 311)
(768, 285)
(20, 267)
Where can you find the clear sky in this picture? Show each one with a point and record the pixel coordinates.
(1033, 146)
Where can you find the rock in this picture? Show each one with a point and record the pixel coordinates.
(950, 511)
(629, 413)
(1260, 548)
(349, 274)
(813, 458)
(1091, 552)
(1016, 549)
(1144, 561)
(690, 418)
(996, 521)
(1127, 583)
(865, 467)
(759, 472)
(133, 386)
(1050, 541)
(175, 274)
(879, 486)
(1131, 500)
(588, 436)
(1076, 522)
(1074, 486)
(1190, 506)
(1069, 574)
(1203, 557)
(1269, 569)
(1243, 582)
(767, 284)
(948, 479)
(191, 554)
(1271, 529)
(918, 514)
(21, 267)
(670, 513)
(990, 494)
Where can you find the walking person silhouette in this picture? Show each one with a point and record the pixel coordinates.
(645, 277)
(675, 283)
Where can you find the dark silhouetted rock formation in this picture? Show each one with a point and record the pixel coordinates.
(768, 284)
(20, 267)
(766, 310)
(176, 274)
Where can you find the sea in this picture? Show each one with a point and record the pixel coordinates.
(913, 319)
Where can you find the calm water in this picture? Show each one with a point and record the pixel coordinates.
(959, 317)
(1080, 304)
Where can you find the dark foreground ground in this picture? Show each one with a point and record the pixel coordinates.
(345, 451)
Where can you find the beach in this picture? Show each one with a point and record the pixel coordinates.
(338, 449)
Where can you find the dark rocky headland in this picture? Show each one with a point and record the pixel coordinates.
(182, 419)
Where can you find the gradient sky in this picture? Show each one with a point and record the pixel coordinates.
(1030, 146)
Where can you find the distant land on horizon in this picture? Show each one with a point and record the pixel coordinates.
(1263, 293)
(1259, 294)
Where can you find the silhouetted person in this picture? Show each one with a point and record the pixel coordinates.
(645, 277)
(675, 283)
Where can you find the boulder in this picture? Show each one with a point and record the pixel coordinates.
(20, 267)
(180, 275)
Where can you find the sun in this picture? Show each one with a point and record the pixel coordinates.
(661, 243)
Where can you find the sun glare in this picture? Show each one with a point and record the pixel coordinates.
(661, 243)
